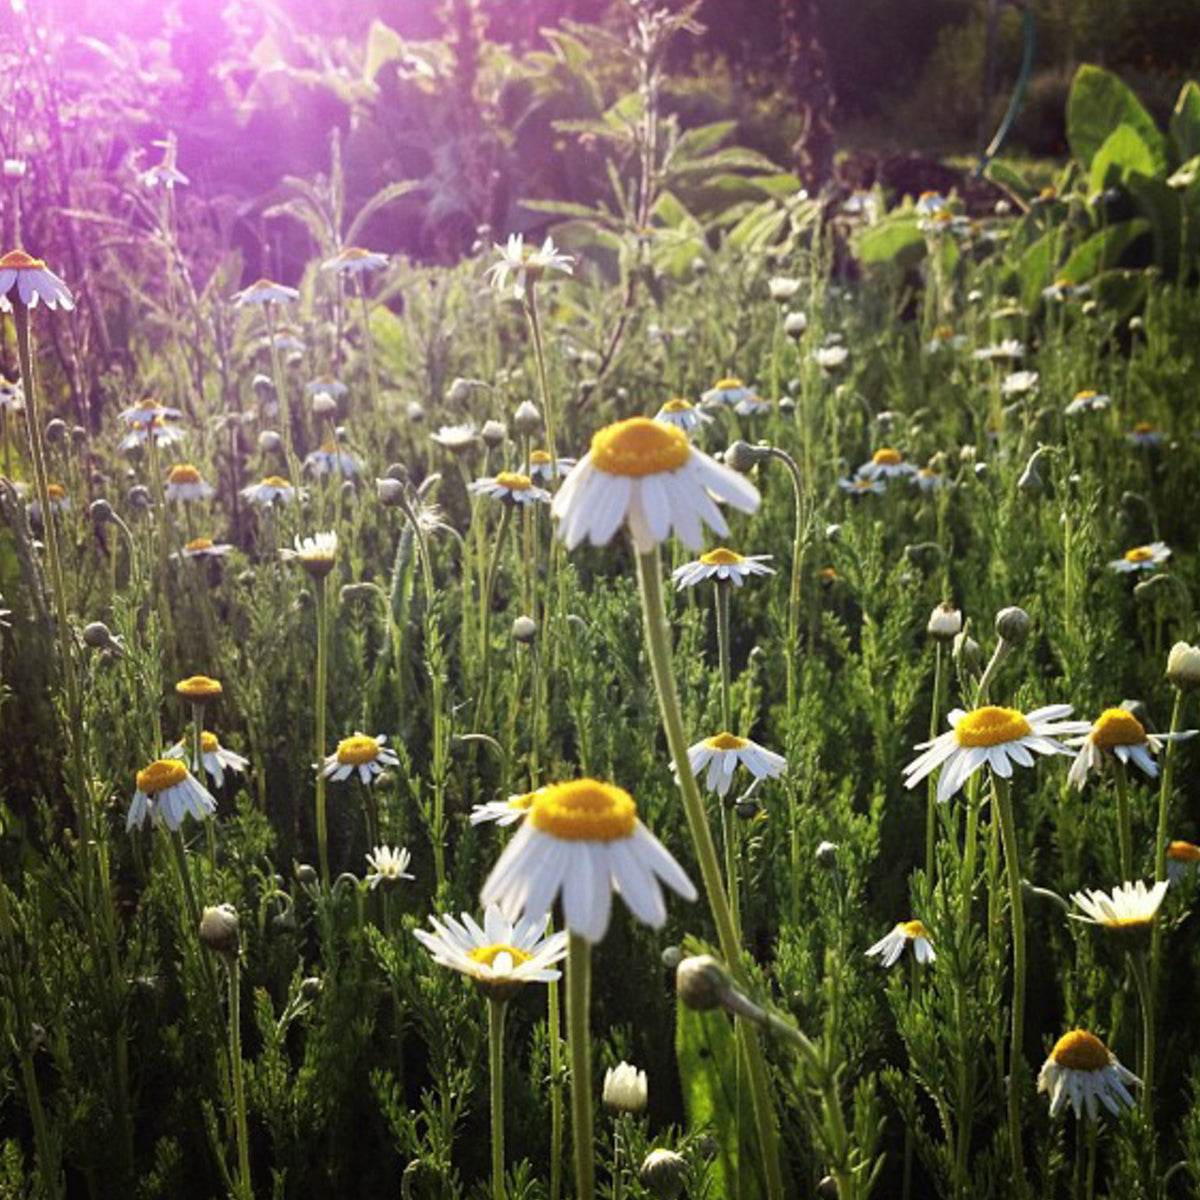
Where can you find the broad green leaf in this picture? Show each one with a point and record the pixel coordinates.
(1011, 180)
(568, 208)
(1121, 293)
(735, 158)
(703, 139)
(1098, 103)
(1036, 269)
(895, 240)
(1162, 207)
(1103, 250)
(1185, 122)
(1123, 152)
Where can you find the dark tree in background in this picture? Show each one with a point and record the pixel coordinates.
(811, 89)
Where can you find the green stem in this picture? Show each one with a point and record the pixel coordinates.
(1124, 822)
(486, 612)
(721, 601)
(793, 625)
(1008, 836)
(368, 346)
(1160, 837)
(285, 412)
(658, 644)
(931, 804)
(535, 332)
(1137, 960)
(496, 1009)
(239, 1088)
(322, 683)
(554, 1025)
(579, 1045)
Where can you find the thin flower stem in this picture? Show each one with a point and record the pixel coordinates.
(496, 1010)
(579, 1045)
(285, 412)
(1124, 821)
(193, 912)
(485, 614)
(658, 644)
(721, 602)
(1137, 960)
(554, 1024)
(322, 683)
(1160, 837)
(935, 717)
(368, 345)
(1008, 835)
(535, 333)
(793, 625)
(239, 1088)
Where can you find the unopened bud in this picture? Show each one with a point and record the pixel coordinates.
(1183, 665)
(794, 325)
(524, 630)
(306, 874)
(1031, 478)
(967, 652)
(56, 430)
(323, 406)
(101, 511)
(264, 385)
(98, 636)
(139, 496)
(747, 810)
(741, 456)
(1012, 625)
(311, 987)
(415, 411)
(493, 434)
(390, 492)
(79, 435)
(397, 471)
(826, 855)
(702, 983)
(269, 442)
(944, 623)
(527, 420)
(827, 1189)
(663, 1174)
(625, 1089)
(220, 930)
(460, 391)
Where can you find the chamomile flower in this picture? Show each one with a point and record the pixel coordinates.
(727, 391)
(719, 757)
(355, 261)
(326, 385)
(1129, 908)
(830, 358)
(12, 396)
(525, 265)
(944, 338)
(27, 280)
(146, 411)
(388, 866)
(164, 175)
(1008, 349)
(511, 487)
(860, 203)
(1083, 1070)
(1087, 401)
(540, 468)
(645, 474)
(584, 839)
(929, 480)
(1141, 558)
(1019, 383)
(214, 757)
(683, 414)
(863, 486)
(274, 489)
(168, 792)
(265, 291)
(500, 953)
(366, 755)
(1144, 433)
(503, 812)
(783, 288)
(906, 934)
(752, 406)
(1182, 860)
(316, 554)
(184, 483)
(625, 1089)
(204, 547)
(458, 439)
(1064, 289)
(1118, 732)
(995, 736)
(156, 430)
(886, 463)
(929, 203)
(722, 564)
(329, 459)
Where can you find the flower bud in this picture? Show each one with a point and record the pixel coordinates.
(306, 875)
(524, 630)
(311, 987)
(323, 406)
(494, 434)
(827, 1189)
(1012, 625)
(56, 430)
(98, 636)
(264, 385)
(672, 956)
(663, 1174)
(390, 492)
(220, 930)
(741, 456)
(747, 810)
(1031, 478)
(527, 420)
(269, 442)
(460, 391)
(944, 623)
(139, 496)
(1183, 665)
(794, 325)
(782, 288)
(101, 511)
(415, 411)
(826, 855)
(79, 436)
(702, 983)
(967, 652)
(625, 1089)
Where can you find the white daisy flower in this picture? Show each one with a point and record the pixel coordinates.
(929, 203)
(584, 839)
(28, 280)
(907, 933)
(885, 463)
(326, 385)
(157, 429)
(512, 487)
(1144, 433)
(330, 460)
(727, 391)
(214, 758)
(540, 468)
(164, 175)
(458, 439)
(316, 554)
(944, 338)
(184, 483)
(355, 261)
(1129, 908)
(1119, 732)
(147, 411)
(366, 755)
(683, 414)
(525, 265)
(167, 791)
(265, 291)
(12, 396)
(1018, 383)
(625, 1089)
(1142, 558)
(1064, 289)
(722, 754)
(287, 342)
(829, 358)
(1009, 348)
(783, 288)
(501, 952)
(860, 203)
(388, 866)
(203, 547)
(503, 812)
(995, 736)
(722, 564)
(1182, 860)
(1087, 401)
(645, 474)
(1082, 1069)
(929, 480)
(945, 221)
(863, 486)
(274, 489)
(752, 406)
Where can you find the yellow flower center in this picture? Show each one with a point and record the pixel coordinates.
(160, 774)
(522, 803)
(1144, 427)
(209, 743)
(725, 741)
(721, 557)
(1117, 727)
(1080, 1051)
(18, 260)
(827, 574)
(926, 473)
(887, 457)
(1086, 394)
(539, 458)
(1139, 554)
(199, 544)
(943, 333)
(275, 481)
(184, 473)
(487, 955)
(864, 484)
(198, 687)
(328, 447)
(674, 406)
(585, 810)
(1183, 852)
(353, 252)
(728, 384)
(913, 929)
(1063, 283)
(514, 481)
(991, 726)
(263, 283)
(1049, 192)
(639, 447)
(55, 491)
(356, 750)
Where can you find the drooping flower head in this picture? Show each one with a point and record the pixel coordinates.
(168, 792)
(316, 554)
(511, 487)
(1081, 1069)
(214, 758)
(723, 753)
(265, 291)
(1117, 732)
(905, 935)
(27, 280)
(355, 261)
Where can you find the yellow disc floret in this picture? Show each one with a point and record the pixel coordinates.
(18, 260)
(539, 458)
(1086, 394)
(160, 774)
(487, 955)
(991, 726)
(725, 741)
(674, 406)
(275, 481)
(1144, 427)
(639, 446)
(584, 811)
(183, 473)
(885, 456)
(209, 743)
(1139, 554)
(1117, 727)
(1183, 852)
(1080, 1051)
(514, 481)
(356, 750)
(197, 544)
(55, 491)
(728, 384)
(913, 929)
(721, 557)
(198, 688)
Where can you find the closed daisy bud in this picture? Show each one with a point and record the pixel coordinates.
(101, 511)
(826, 855)
(415, 411)
(945, 623)
(220, 930)
(794, 325)
(625, 1089)
(1183, 666)
(663, 1174)
(524, 630)
(493, 434)
(1012, 625)
(741, 456)
(527, 420)
(968, 654)
(702, 983)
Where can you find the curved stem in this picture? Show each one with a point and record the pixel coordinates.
(496, 1075)
(1160, 836)
(285, 411)
(793, 625)
(579, 1044)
